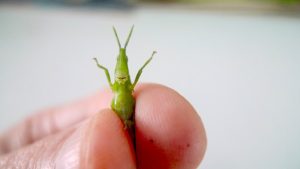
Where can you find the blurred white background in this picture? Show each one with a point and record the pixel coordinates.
(239, 69)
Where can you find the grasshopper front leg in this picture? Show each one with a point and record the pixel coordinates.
(106, 72)
(141, 70)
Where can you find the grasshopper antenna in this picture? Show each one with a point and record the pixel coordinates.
(119, 44)
(128, 38)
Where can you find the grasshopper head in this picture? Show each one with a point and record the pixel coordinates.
(121, 70)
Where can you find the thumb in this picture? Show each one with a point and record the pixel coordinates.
(99, 142)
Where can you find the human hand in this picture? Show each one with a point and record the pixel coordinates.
(169, 134)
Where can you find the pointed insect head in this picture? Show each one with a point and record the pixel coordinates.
(121, 70)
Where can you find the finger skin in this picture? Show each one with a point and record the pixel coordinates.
(53, 120)
(100, 142)
(109, 144)
(169, 132)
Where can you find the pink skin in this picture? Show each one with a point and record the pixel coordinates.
(169, 134)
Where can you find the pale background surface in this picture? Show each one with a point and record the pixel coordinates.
(240, 71)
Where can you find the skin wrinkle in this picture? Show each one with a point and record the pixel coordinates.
(41, 154)
(53, 155)
(53, 148)
(42, 124)
(68, 157)
(18, 137)
(78, 113)
(84, 148)
(31, 129)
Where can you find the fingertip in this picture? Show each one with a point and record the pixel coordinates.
(168, 129)
(107, 144)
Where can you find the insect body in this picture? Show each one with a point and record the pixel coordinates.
(123, 102)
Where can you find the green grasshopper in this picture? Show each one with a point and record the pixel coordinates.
(123, 102)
